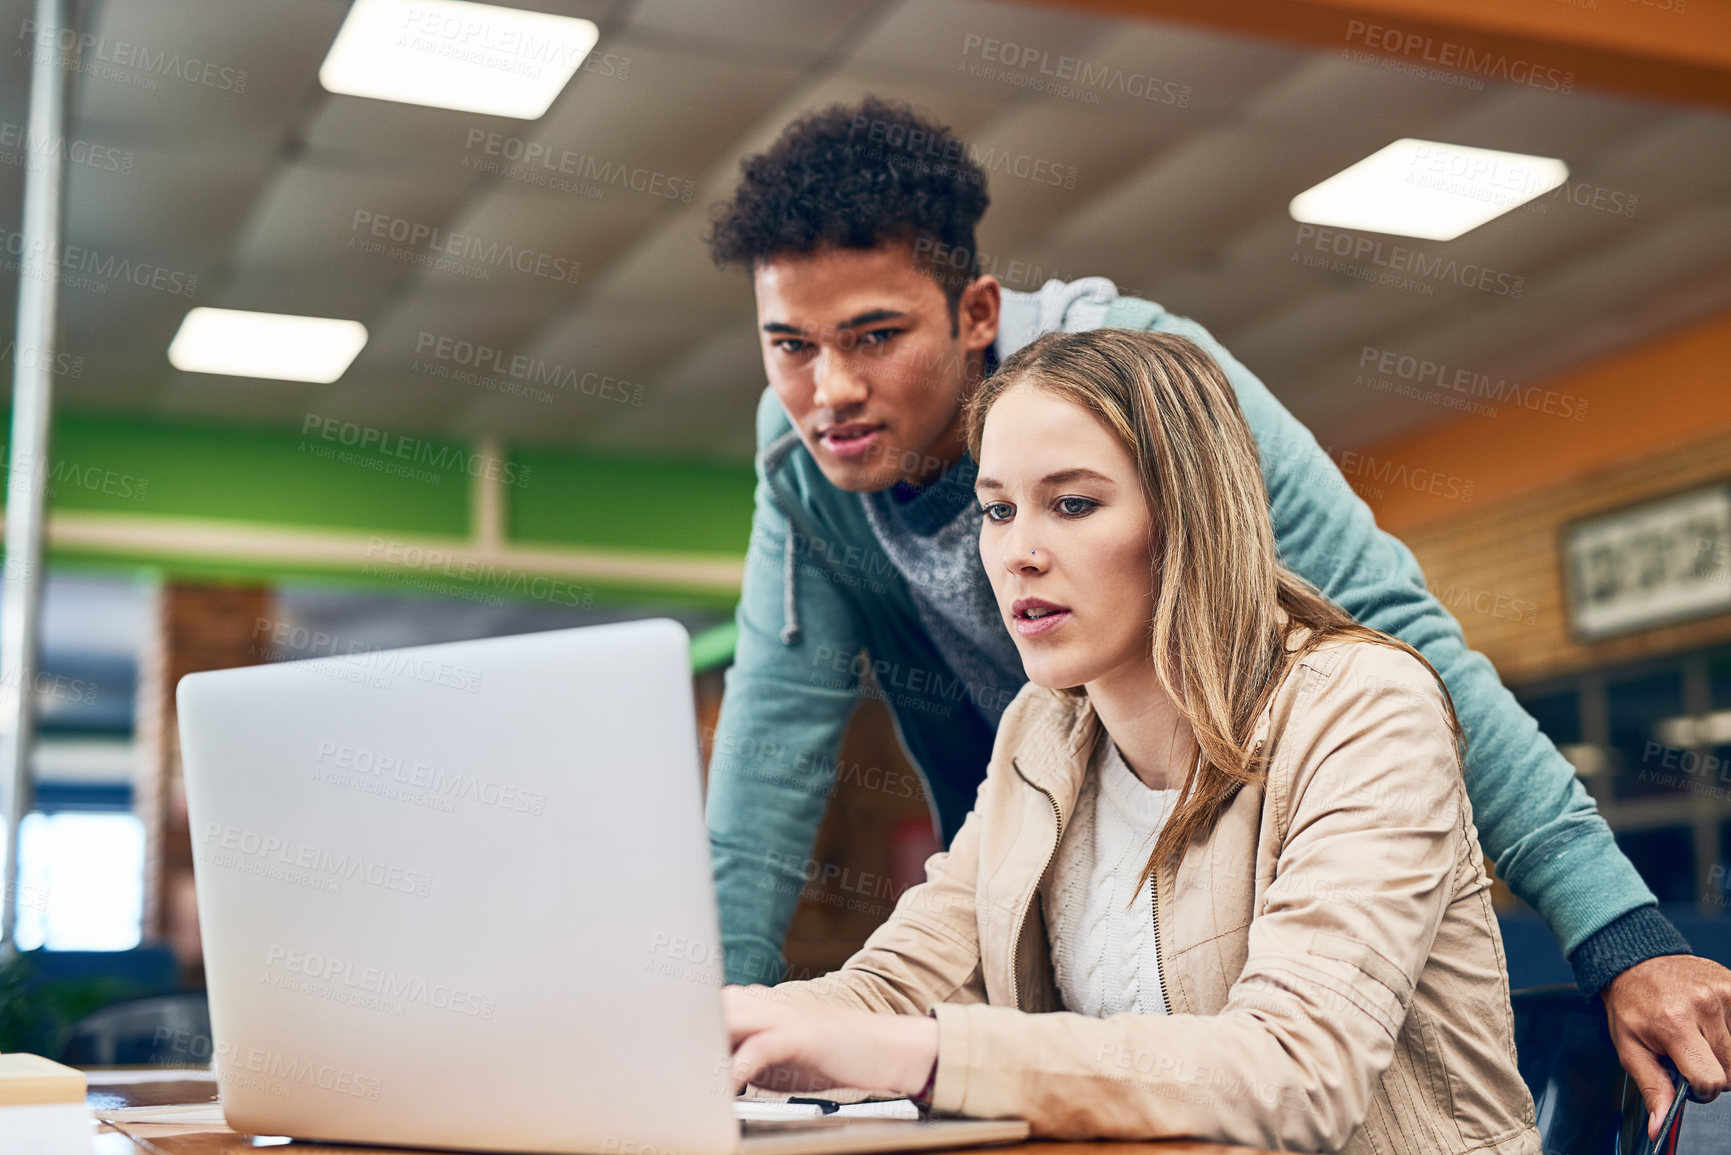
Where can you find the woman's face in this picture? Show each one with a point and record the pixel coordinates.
(1066, 538)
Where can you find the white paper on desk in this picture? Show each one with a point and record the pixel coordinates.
(770, 1110)
(195, 1114)
(760, 1110)
(885, 1109)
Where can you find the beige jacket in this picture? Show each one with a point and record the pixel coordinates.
(1329, 952)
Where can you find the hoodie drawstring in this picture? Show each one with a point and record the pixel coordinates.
(789, 605)
(772, 458)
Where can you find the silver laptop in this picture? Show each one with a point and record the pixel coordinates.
(460, 896)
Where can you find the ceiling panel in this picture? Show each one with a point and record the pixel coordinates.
(1285, 342)
(711, 381)
(1350, 109)
(795, 30)
(416, 323)
(344, 223)
(672, 116)
(1164, 158)
(165, 71)
(967, 43)
(390, 138)
(186, 205)
(613, 337)
(1684, 159)
(1179, 204)
(1539, 123)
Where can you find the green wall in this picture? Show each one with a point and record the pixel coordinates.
(384, 484)
(632, 503)
(209, 471)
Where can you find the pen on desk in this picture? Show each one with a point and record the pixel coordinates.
(827, 1106)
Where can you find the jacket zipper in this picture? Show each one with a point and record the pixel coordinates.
(1154, 906)
(1022, 918)
(1154, 910)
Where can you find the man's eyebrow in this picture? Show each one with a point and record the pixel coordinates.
(1061, 477)
(870, 317)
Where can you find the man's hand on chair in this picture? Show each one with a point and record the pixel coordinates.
(1674, 1006)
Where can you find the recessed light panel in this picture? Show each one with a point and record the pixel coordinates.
(1422, 188)
(279, 346)
(458, 55)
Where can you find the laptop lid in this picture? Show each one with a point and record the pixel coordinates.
(461, 896)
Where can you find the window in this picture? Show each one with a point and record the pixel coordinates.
(1652, 742)
(80, 881)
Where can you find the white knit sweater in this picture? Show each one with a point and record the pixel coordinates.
(1103, 939)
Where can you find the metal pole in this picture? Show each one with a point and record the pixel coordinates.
(53, 42)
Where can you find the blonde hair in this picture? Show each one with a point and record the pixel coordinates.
(1217, 633)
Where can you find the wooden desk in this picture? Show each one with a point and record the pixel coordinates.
(161, 1139)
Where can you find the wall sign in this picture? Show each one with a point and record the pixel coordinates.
(1649, 565)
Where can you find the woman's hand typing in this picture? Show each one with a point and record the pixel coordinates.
(795, 1046)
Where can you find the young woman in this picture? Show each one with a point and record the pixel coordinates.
(1222, 879)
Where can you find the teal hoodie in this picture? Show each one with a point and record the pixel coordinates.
(821, 602)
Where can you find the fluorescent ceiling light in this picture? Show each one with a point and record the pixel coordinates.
(1421, 188)
(274, 345)
(458, 55)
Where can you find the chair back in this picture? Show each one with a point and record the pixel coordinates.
(171, 1030)
(1564, 1051)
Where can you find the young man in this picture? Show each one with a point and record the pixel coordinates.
(857, 226)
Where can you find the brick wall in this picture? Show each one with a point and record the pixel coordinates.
(1483, 561)
(198, 627)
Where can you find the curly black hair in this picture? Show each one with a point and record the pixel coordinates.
(856, 177)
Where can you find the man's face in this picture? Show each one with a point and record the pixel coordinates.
(857, 344)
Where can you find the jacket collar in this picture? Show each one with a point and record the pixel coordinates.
(1054, 751)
